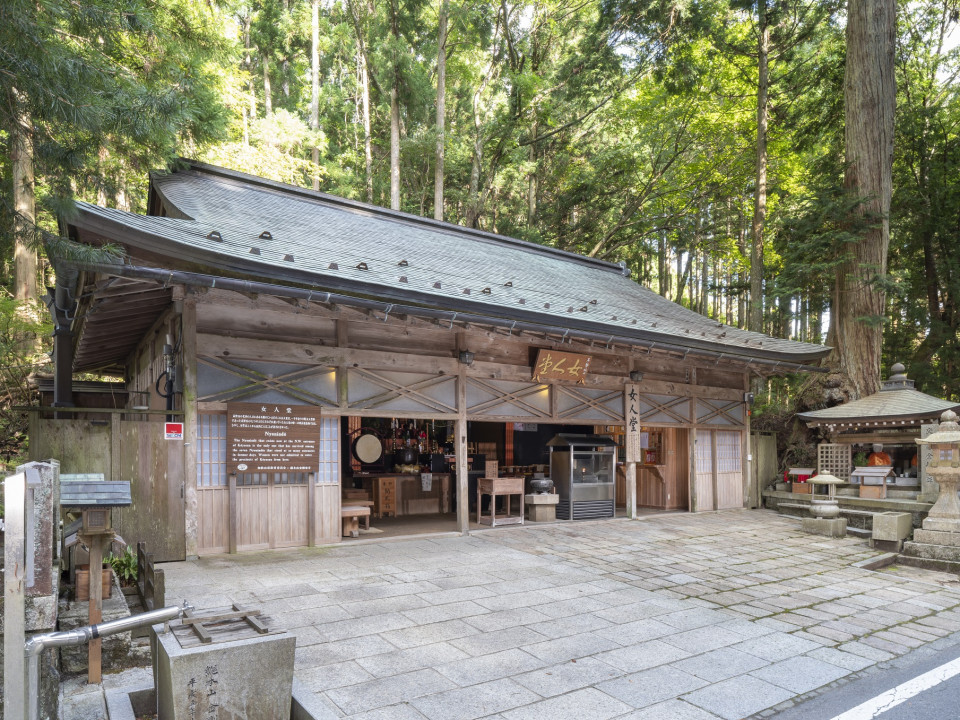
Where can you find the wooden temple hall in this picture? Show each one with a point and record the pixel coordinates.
(280, 364)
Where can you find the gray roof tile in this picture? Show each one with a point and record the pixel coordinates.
(446, 266)
(900, 403)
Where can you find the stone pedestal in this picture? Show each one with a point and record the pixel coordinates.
(246, 678)
(541, 507)
(831, 527)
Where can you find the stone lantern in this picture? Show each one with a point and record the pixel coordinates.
(826, 518)
(944, 468)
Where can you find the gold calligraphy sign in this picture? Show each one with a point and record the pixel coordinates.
(554, 365)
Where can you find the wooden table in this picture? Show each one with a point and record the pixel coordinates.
(493, 487)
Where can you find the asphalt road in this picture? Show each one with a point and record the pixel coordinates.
(929, 679)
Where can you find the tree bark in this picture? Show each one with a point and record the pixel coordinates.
(315, 86)
(367, 139)
(441, 111)
(267, 90)
(869, 104)
(395, 113)
(26, 286)
(760, 193)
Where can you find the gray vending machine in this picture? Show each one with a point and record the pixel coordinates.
(582, 468)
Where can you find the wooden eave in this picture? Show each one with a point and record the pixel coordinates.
(112, 319)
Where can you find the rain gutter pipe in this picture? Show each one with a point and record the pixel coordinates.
(36, 644)
(178, 277)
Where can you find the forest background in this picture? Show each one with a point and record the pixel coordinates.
(704, 143)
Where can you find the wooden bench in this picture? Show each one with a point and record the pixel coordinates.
(351, 514)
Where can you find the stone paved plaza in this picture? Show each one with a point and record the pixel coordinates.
(669, 617)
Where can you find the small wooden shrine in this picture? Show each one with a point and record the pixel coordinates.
(883, 426)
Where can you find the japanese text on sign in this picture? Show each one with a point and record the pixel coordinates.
(272, 438)
(634, 437)
(553, 365)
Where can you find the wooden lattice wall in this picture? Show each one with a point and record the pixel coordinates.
(834, 459)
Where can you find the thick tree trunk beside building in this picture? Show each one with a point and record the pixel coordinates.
(869, 103)
(26, 286)
(441, 111)
(755, 321)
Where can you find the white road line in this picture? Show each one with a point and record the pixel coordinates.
(901, 693)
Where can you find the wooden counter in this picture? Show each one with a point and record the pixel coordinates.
(503, 486)
(398, 494)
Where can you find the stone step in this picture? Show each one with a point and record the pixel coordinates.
(898, 494)
(936, 537)
(932, 552)
(949, 566)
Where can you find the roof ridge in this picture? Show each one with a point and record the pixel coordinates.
(201, 168)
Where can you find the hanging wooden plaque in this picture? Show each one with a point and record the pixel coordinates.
(554, 365)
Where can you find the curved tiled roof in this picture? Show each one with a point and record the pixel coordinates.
(896, 400)
(272, 231)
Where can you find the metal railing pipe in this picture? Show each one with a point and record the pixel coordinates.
(36, 644)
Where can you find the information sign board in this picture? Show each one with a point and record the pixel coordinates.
(271, 437)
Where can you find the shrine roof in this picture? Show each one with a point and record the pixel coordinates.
(228, 223)
(896, 401)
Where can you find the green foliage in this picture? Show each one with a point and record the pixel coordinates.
(625, 129)
(124, 566)
(20, 325)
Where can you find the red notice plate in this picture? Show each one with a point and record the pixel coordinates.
(173, 431)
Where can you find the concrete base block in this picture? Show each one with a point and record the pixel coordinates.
(541, 507)
(937, 537)
(836, 527)
(248, 678)
(890, 546)
(892, 526)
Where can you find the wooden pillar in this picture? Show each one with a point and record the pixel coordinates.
(311, 509)
(692, 471)
(96, 606)
(188, 343)
(14, 603)
(233, 520)
(460, 431)
(713, 461)
(508, 444)
(631, 489)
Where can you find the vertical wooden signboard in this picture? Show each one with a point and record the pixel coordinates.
(633, 439)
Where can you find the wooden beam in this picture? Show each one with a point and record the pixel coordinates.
(233, 520)
(311, 510)
(96, 607)
(262, 350)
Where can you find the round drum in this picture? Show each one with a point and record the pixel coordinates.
(368, 449)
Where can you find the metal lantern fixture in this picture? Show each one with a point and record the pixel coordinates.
(944, 467)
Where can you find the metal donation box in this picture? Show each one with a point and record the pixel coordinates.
(583, 469)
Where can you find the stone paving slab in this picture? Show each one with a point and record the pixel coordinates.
(679, 617)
